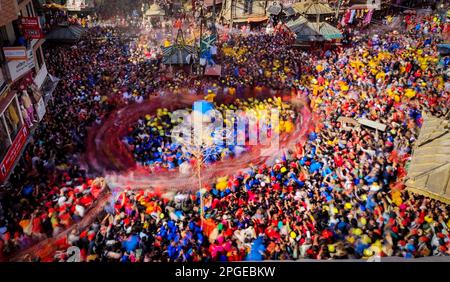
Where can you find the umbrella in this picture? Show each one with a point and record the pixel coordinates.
(131, 244)
(256, 250)
(444, 49)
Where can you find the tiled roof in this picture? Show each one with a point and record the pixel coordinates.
(429, 169)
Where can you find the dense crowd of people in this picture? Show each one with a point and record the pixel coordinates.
(338, 195)
(151, 138)
(262, 59)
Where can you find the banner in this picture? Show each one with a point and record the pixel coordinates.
(368, 18)
(18, 53)
(30, 22)
(40, 76)
(33, 33)
(346, 17)
(352, 16)
(31, 28)
(13, 153)
(40, 108)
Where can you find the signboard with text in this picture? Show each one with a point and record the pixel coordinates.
(17, 69)
(33, 33)
(13, 153)
(17, 53)
(29, 22)
(78, 5)
(31, 28)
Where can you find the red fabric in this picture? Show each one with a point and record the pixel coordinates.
(338, 160)
(86, 201)
(37, 226)
(83, 234)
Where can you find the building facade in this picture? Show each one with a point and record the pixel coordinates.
(22, 75)
(240, 11)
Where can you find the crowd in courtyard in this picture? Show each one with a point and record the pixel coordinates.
(340, 194)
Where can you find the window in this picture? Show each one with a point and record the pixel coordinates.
(12, 118)
(30, 9)
(4, 41)
(4, 36)
(4, 139)
(2, 80)
(248, 5)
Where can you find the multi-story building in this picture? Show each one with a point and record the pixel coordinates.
(253, 11)
(246, 11)
(22, 76)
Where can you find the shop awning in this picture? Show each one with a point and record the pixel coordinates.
(66, 34)
(54, 6)
(254, 19)
(362, 5)
(359, 7)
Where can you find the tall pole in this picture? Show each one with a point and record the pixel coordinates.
(214, 18)
(200, 41)
(231, 14)
(202, 202)
(338, 8)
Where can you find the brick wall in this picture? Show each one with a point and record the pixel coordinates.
(8, 11)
